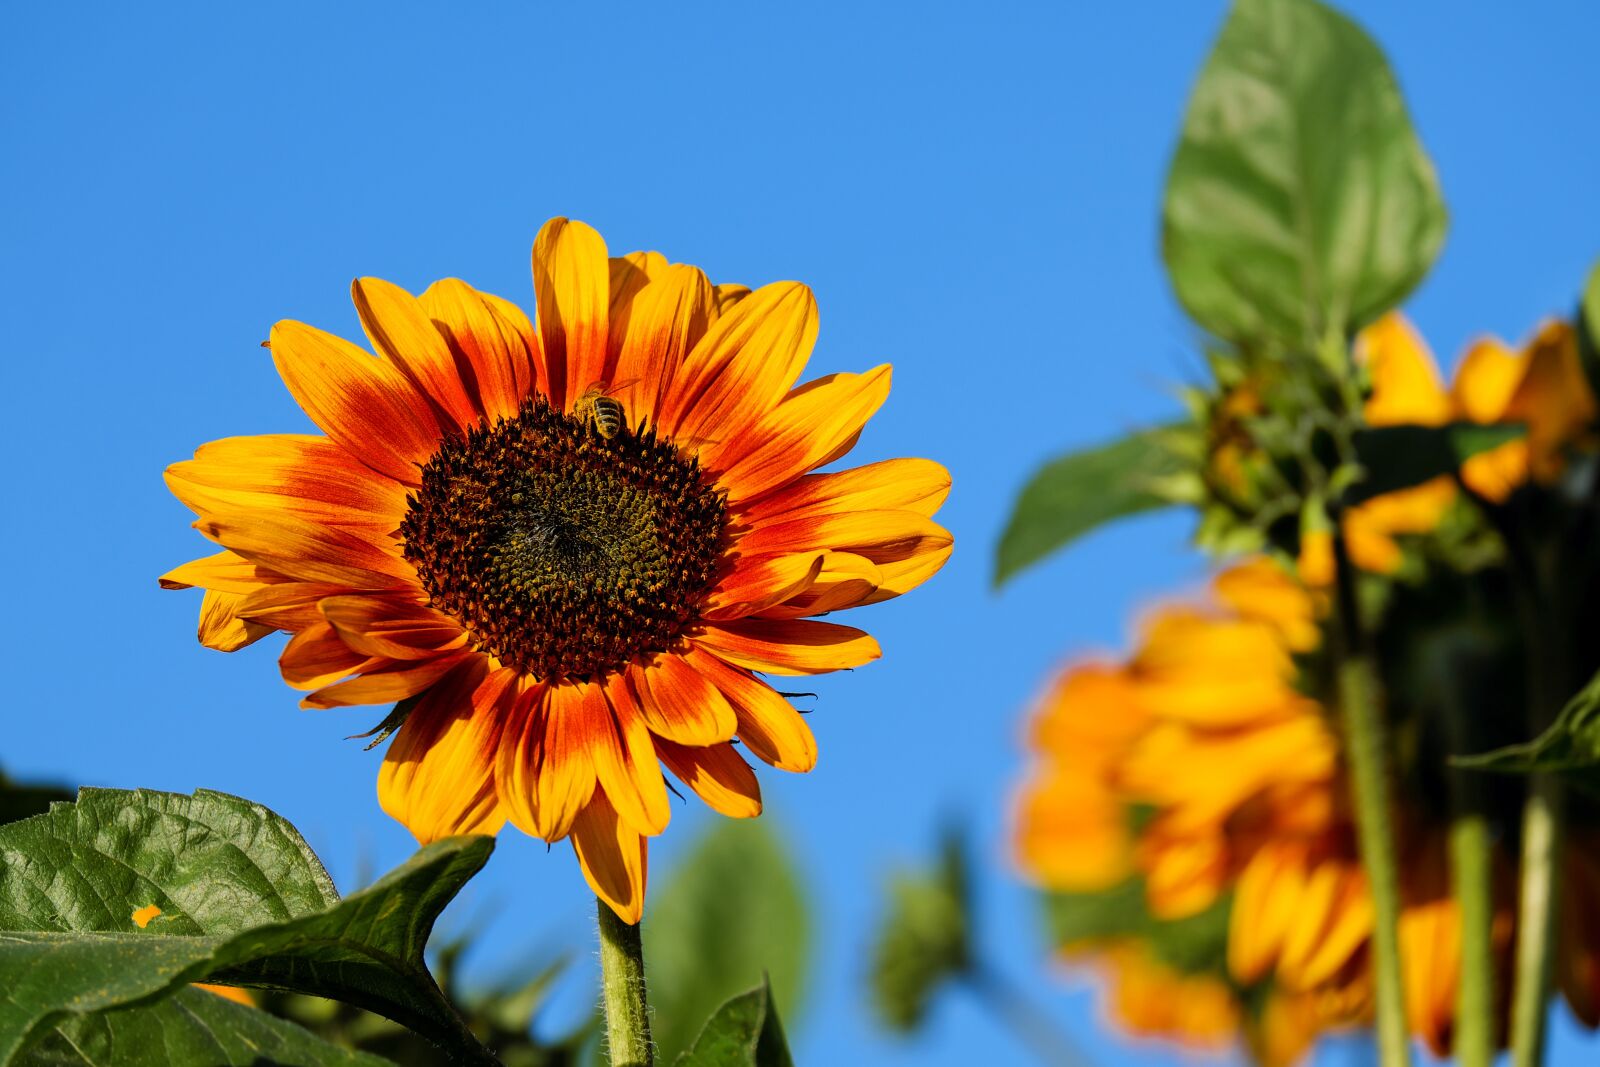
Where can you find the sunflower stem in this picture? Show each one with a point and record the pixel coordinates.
(622, 979)
(1472, 875)
(1367, 742)
(1538, 593)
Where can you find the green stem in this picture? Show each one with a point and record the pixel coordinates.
(1365, 736)
(1541, 848)
(1542, 831)
(1471, 872)
(1031, 1025)
(622, 979)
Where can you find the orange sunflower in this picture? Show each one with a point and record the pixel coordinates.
(570, 550)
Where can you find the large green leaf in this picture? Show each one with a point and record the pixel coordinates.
(744, 1032)
(125, 897)
(1070, 496)
(732, 911)
(190, 1027)
(1300, 204)
(1570, 747)
(1400, 457)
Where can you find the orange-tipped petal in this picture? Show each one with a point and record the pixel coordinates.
(572, 280)
(744, 365)
(788, 646)
(658, 326)
(918, 485)
(754, 584)
(363, 403)
(545, 773)
(502, 350)
(438, 775)
(613, 856)
(400, 330)
(680, 704)
(387, 683)
(221, 627)
(715, 772)
(625, 763)
(394, 626)
(768, 725)
(812, 426)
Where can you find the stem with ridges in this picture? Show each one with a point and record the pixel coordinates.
(622, 980)
(1367, 745)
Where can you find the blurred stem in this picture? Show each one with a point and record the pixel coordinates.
(1471, 871)
(1361, 712)
(1542, 830)
(1031, 1025)
(622, 980)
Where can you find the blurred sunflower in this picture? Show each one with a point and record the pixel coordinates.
(570, 549)
(1543, 387)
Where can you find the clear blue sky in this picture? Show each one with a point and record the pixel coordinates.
(972, 192)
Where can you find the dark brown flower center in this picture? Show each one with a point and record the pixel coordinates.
(564, 553)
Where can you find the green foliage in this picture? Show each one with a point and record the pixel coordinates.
(744, 1032)
(1073, 494)
(733, 911)
(190, 1027)
(1400, 457)
(19, 800)
(925, 941)
(1589, 329)
(1570, 747)
(242, 900)
(1300, 204)
(1194, 944)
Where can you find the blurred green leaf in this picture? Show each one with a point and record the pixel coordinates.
(1300, 204)
(20, 800)
(192, 1028)
(1400, 457)
(744, 1032)
(732, 911)
(1570, 747)
(1193, 944)
(1589, 329)
(925, 940)
(125, 897)
(1070, 496)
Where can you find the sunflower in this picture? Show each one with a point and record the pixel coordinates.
(1542, 387)
(570, 550)
(1216, 780)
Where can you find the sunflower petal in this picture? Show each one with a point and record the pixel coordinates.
(715, 772)
(681, 704)
(744, 365)
(625, 763)
(315, 656)
(438, 776)
(363, 403)
(918, 485)
(788, 646)
(397, 627)
(220, 625)
(385, 684)
(545, 774)
(812, 426)
(662, 323)
(503, 353)
(753, 585)
(768, 725)
(572, 279)
(613, 856)
(401, 331)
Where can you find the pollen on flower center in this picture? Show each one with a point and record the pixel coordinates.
(565, 554)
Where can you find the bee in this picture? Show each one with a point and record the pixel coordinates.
(599, 406)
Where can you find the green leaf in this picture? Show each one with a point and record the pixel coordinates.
(744, 1032)
(1400, 457)
(1070, 496)
(1194, 944)
(1570, 747)
(226, 891)
(1589, 330)
(190, 1027)
(925, 940)
(1300, 204)
(19, 800)
(733, 910)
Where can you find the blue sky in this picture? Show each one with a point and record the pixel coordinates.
(972, 194)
